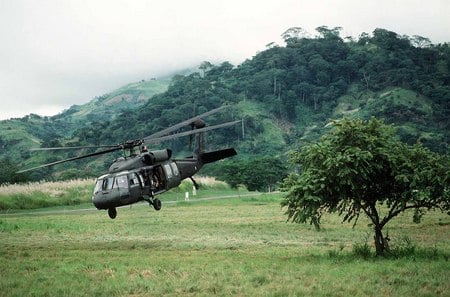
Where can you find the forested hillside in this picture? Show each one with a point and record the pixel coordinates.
(286, 95)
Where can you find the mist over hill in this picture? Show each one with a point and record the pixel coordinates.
(286, 96)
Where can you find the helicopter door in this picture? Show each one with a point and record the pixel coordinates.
(159, 180)
(135, 186)
(172, 174)
(121, 185)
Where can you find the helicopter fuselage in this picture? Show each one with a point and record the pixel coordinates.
(141, 177)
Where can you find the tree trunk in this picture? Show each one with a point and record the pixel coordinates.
(380, 241)
(366, 79)
(274, 85)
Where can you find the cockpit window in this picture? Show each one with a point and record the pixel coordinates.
(107, 183)
(98, 186)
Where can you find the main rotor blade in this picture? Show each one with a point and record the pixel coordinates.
(70, 147)
(163, 138)
(184, 123)
(72, 159)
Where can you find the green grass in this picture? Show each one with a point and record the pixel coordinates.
(240, 247)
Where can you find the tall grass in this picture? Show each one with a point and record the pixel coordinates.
(51, 188)
(45, 194)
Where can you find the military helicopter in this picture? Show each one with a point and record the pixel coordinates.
(141, 174)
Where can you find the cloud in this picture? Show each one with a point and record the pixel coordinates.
(59, 53)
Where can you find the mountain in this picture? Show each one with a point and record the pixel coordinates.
(286, 95)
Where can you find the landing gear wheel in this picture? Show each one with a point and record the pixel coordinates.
(157, 204)
(112, 212)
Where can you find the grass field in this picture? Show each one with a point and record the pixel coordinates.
(230, 247)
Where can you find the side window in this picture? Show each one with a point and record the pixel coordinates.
(174, 168)
(141, 179)
(134, 180)
(122, 181)
(168, 171)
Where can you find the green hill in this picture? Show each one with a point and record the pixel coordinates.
(286, 95)
(107, 106)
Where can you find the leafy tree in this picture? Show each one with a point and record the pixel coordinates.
(293, 35)
(257, 174)
(326, 32)
(204, 66)
(8, 174)
(71, 173)
(361, 167)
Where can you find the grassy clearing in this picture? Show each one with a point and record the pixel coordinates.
(79, 192)
(240, 247)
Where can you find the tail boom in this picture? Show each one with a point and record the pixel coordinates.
(214, 156)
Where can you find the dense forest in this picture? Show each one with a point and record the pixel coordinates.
(285, 95)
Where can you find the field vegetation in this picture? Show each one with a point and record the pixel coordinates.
(238, 246)
(45, 194)
(42, 194)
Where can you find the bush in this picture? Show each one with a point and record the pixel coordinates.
(362, 250)
(407, 248)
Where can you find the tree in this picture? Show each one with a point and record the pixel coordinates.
(257, 174)
(420, 41)
(8, 174)
(293, 35)
(360, 167)
(326, 32)
(205, 66)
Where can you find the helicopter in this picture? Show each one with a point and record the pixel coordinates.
(140, 174)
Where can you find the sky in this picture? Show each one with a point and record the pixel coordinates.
(57, 53)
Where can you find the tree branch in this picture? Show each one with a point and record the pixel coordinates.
(393, 214)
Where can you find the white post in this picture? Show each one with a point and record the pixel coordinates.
(186, 196)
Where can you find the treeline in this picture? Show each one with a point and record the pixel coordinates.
(308, 74)
(283, 91)
(315, 72)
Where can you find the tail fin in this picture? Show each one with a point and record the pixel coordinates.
(217, 155)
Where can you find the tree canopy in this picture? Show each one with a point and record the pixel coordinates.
(256, 174)
(360, 167)
(8, 174)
